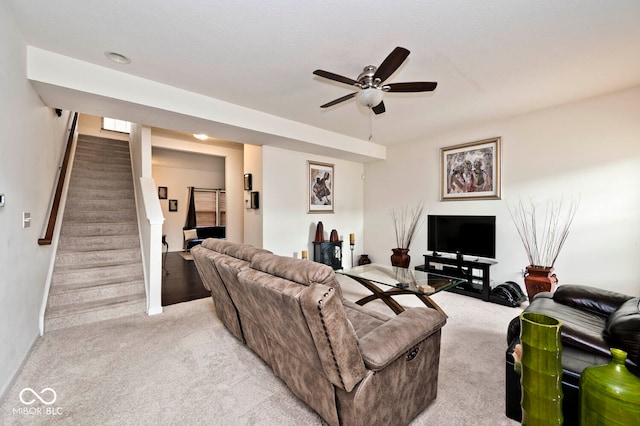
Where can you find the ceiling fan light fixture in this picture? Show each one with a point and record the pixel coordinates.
(369, 97)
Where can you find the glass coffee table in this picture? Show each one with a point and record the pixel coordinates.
(401, 281)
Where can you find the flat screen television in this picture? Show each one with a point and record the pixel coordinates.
(470, 235)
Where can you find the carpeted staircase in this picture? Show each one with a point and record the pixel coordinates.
(98, 268)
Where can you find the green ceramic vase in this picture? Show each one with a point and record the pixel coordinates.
(541, 376)
(610, 394)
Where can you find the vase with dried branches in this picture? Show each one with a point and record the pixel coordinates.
(407, 221)
(543, 230)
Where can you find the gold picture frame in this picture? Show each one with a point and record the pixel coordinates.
(471, 171)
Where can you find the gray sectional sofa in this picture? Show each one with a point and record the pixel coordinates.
(351, 365)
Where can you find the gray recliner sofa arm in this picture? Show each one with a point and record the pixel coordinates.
(386, 343)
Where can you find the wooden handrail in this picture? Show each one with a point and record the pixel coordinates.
(53, 216)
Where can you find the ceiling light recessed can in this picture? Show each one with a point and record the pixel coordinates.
(117, 58)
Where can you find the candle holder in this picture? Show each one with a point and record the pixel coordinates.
(352, 246)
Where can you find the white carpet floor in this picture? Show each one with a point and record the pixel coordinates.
(183, 367)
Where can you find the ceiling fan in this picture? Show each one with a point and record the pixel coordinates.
(370, 82)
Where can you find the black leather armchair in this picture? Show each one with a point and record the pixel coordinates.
(593, 321)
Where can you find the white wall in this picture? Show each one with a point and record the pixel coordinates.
(253, 217)
(92, 125)
(177, 171)
(33, 140)
(589, 149)
(288, 228)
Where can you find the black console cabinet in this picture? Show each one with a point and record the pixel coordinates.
(329, 253)
(475, 272)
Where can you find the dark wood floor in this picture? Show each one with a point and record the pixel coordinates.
(181, 282)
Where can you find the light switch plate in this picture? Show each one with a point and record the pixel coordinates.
(26, 219)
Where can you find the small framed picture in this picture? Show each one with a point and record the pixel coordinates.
(320, 187)
(471, 171)
(173, 205)
(247, 182)
(162, 192)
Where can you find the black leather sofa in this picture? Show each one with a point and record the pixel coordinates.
(201, 234)
(593, 321)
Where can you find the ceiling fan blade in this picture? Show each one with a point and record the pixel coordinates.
(418, 86)
(337, 101)
(336, 77)
(391, 63)
(378, 109)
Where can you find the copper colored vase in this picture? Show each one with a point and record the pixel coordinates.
(400, 257)
(333, 237)
(364, 259)
(539, 279)
(319, 233)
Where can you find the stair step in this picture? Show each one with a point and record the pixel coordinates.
(60, 297)
(68, 260)
(90, 312)
(81, 194)
(98, 205)
(101, 174)
(99, 184)
(94, 229)
(88, 277)
(97, 141)
(90, 152)
(99, 216)
(95, 164)
(114, 148)
(107, 242)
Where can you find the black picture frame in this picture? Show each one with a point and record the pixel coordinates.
(163, 192)
(320, 187)
(255, 200)
(247, 181)
(173, 205)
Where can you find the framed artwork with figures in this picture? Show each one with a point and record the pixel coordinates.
(471, 171)
(320, 187)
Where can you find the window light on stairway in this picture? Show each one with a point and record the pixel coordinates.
(116, 125)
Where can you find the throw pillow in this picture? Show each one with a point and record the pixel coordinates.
(190, 234)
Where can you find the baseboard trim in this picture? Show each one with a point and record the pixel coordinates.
(17, 371)
(155, 311)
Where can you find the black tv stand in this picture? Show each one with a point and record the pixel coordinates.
(475, 272)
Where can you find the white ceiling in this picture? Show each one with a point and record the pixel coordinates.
(491, 58)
